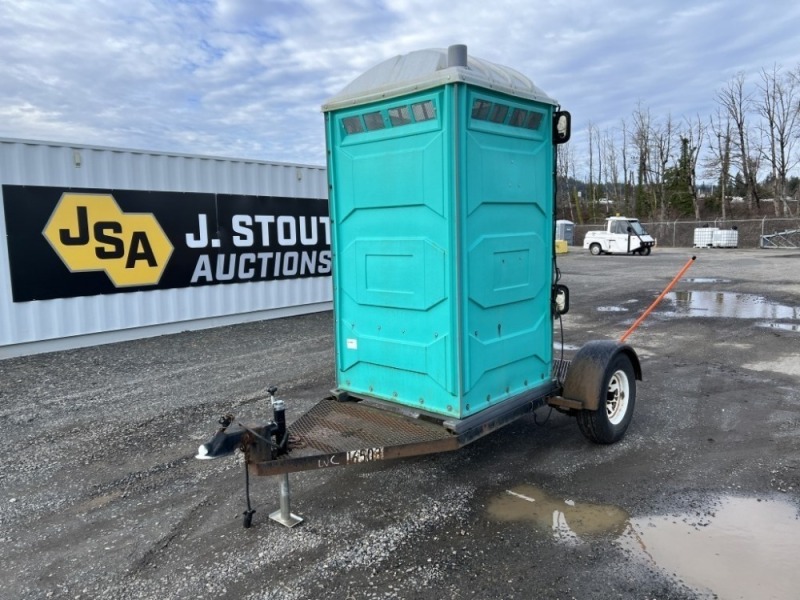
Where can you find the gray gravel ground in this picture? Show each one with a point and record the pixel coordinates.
(101, 496)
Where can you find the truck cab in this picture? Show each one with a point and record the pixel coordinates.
(622, 235)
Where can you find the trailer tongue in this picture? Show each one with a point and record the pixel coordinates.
(445, 287)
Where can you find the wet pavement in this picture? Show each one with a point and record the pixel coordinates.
(736, 548)
(567, 519)
(745, 548)
(730, 305)
(101, 496)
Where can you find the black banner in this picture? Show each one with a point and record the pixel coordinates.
(68, 242)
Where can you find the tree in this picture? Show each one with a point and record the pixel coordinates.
(591, 191)
(662, 146)
(678, 182)
(611, 162)
(738, 105)
(640, 140)
(565, 171)
(778, 105)
(691, 143)
(718, 163)
(625, 186)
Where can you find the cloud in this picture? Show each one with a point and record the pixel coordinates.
(246, 79)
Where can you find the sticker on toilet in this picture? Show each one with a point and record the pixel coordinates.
(352, 344)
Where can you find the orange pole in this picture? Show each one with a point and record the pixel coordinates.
(657, 300)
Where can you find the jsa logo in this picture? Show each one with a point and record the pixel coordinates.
(90, 233)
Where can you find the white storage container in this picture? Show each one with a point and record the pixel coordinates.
(704, 237)
(725, 238)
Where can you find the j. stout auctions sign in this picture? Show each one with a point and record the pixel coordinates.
(64, 243)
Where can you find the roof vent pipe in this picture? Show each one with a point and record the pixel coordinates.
(457, 55)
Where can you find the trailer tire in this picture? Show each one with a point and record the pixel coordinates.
(595, 249)
(609, 422)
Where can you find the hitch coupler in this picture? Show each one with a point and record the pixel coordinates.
(261, 441)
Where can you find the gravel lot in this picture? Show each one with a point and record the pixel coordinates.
(101, 496)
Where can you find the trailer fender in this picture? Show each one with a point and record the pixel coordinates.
(586, 374)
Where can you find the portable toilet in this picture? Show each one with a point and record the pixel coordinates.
(440, 170)
(565, 230)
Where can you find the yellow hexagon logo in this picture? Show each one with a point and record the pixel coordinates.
(90, 233)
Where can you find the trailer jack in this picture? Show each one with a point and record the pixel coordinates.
(283, 515)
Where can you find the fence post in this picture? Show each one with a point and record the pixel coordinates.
(674, 230)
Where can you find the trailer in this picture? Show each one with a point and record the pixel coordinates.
(446, 288)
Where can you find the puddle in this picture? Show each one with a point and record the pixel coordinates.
(741, 548)
(568, 347)
(730, 305)
(567, 520)
(611, 309)
(781, 326)
(705, 280)
(744, 549)
(788, 364)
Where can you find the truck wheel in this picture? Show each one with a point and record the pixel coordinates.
(609, 422)
(646, 251)
(595, 249)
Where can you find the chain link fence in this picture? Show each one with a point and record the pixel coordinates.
(680, 234)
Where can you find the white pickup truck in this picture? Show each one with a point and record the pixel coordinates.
(622, 235)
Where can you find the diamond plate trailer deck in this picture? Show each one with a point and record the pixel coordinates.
(339, 433)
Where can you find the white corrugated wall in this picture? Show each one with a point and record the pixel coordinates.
(27, 327)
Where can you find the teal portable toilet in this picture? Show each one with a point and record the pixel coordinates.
(441, 199)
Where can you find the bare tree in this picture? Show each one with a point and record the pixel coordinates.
(738, 105)
(662, 136)
(625, 188)
(640, 139)
(718, 161)
(565, 168)
(590, 187)
(611, 167)
(573, 191)
(600, 171)
(778, 105)
(692, 136)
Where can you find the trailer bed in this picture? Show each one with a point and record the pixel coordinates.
(335, 433)
(339, 433)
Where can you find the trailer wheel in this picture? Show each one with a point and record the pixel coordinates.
(595, 249)
(609, 422)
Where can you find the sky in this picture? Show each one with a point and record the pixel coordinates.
(246, 78)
